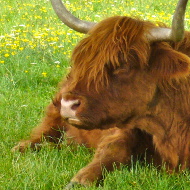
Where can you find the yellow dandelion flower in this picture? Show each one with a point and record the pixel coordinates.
(44, 74)
(6, 55)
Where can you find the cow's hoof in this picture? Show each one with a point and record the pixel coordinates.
(72, 185)
(20, 147)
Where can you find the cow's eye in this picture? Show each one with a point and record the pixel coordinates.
(120, 71)
(123, 69)
(124, 74)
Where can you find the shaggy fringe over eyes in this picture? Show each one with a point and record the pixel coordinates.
(100, 50)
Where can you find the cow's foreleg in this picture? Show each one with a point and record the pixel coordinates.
(113, 151)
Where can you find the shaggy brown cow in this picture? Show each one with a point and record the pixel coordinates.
(123, 73)
(123, 77)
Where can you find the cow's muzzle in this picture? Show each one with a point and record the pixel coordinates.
(68, 111)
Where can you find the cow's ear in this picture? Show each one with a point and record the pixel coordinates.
(167, 63)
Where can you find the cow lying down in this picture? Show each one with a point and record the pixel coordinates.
(113, 146)
(130, 74)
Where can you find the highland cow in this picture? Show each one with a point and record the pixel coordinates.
(133, 75)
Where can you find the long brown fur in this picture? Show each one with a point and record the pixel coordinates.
(106, 41)
(115, 41)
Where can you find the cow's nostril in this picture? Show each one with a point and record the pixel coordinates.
(75, 105)
(69, 108)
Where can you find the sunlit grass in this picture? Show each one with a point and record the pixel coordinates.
(35, 49)
(32, 25)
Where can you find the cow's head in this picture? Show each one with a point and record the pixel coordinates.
(116, 71)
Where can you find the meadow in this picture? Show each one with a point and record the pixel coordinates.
(35, 50)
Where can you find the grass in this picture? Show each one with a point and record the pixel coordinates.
(35, 48)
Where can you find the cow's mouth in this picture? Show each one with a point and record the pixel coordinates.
(80, 124)
(74, 121)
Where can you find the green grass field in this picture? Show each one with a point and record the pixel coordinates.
(35, 49)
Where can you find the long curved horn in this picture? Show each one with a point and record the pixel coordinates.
(71, 21)
(177, 31)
